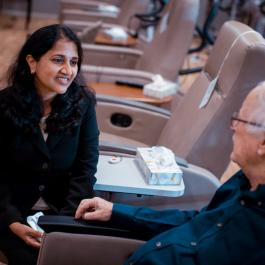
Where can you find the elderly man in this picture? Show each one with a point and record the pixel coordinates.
(229, 230)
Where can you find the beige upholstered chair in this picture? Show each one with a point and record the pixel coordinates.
(129, 22)
(200, 135)
(88, 35)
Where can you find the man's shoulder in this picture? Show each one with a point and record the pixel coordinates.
(235, 180)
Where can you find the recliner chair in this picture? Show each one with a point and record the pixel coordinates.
(138, 21)
(200, 135)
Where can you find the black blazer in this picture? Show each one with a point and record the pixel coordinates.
(60, 170)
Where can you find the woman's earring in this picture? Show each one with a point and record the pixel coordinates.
(32, 72)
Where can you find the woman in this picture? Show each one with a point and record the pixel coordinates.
(48, 139)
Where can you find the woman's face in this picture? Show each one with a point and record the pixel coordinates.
(56, 69)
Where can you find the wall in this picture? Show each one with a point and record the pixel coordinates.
(47, 8)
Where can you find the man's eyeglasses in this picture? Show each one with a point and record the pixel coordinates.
(235, 120)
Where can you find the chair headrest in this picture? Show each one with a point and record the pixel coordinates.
(235, 42)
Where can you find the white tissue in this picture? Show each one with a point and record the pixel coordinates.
(108, 8)
(117, 33)
(32, 221)
(160, 87)
(163, 157)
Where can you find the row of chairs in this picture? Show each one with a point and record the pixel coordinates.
(204, 128)
(237, 59)
(170, 44)
(192, 132)
(234, 60)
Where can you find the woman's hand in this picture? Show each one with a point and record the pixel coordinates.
(26, 233)
(94, 209)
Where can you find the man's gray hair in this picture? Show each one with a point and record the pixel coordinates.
(258, 113)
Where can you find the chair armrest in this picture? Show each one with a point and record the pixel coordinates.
(138, 114)
(85, 5)
(77, 14)
(102, 55)
(116, 149)
(200, 185)
(79, 25)
(108, 147)
(60, 223)
(102, 74)
(68, 249)
(134, 104)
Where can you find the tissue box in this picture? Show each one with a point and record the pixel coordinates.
(156, 174)
(160, 90)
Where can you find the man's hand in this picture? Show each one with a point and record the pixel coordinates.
(26, 233)
(94, 209)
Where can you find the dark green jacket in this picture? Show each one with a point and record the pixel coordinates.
(230, 230)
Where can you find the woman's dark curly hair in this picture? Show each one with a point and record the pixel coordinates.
(24, 107)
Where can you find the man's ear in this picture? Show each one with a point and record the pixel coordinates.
(261, 146)
(32, 63)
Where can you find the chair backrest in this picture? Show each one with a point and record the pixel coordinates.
(205, 138)
(79, 249)
(88, 34)
(129, 8)
(166, 53)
